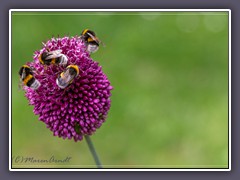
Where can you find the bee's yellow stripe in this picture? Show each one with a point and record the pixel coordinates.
(74, 67)
(90, 39)
(53, 61)
(61, 75)
(26, 66)
(85, 31)
(40, 59)
(28, 78)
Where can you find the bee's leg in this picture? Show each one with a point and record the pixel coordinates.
(67, 88)
(45, 67)
(102, 44)
(64, 91)
(20, 86)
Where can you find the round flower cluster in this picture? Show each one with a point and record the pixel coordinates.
(80, 108)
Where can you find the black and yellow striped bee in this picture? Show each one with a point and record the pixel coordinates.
(27, 77)
(91, 40)
(67, 76)
(53, 57)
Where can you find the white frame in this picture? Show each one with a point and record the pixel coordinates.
(120, 10)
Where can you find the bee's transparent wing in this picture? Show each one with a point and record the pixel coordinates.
(67, 77)
(96, 39)
(93, 37)
(54, 54)
(23, 74)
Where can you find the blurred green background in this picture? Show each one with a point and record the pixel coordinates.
(170, 99)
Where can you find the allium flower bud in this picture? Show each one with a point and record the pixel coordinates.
(80, 108)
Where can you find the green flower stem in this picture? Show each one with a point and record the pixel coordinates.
(93, 151)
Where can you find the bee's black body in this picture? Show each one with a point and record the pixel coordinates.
(27, 77)
(44, 60)
(27, 70)
(89, 37)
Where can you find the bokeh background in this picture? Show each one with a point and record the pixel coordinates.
(170, 99)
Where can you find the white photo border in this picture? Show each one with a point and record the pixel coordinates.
(123, 169)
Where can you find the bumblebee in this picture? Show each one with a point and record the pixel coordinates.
(91, 40)
(53, 57)
(27, 77)
(67, 76)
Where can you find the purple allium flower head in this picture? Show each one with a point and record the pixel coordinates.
(80, 108)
